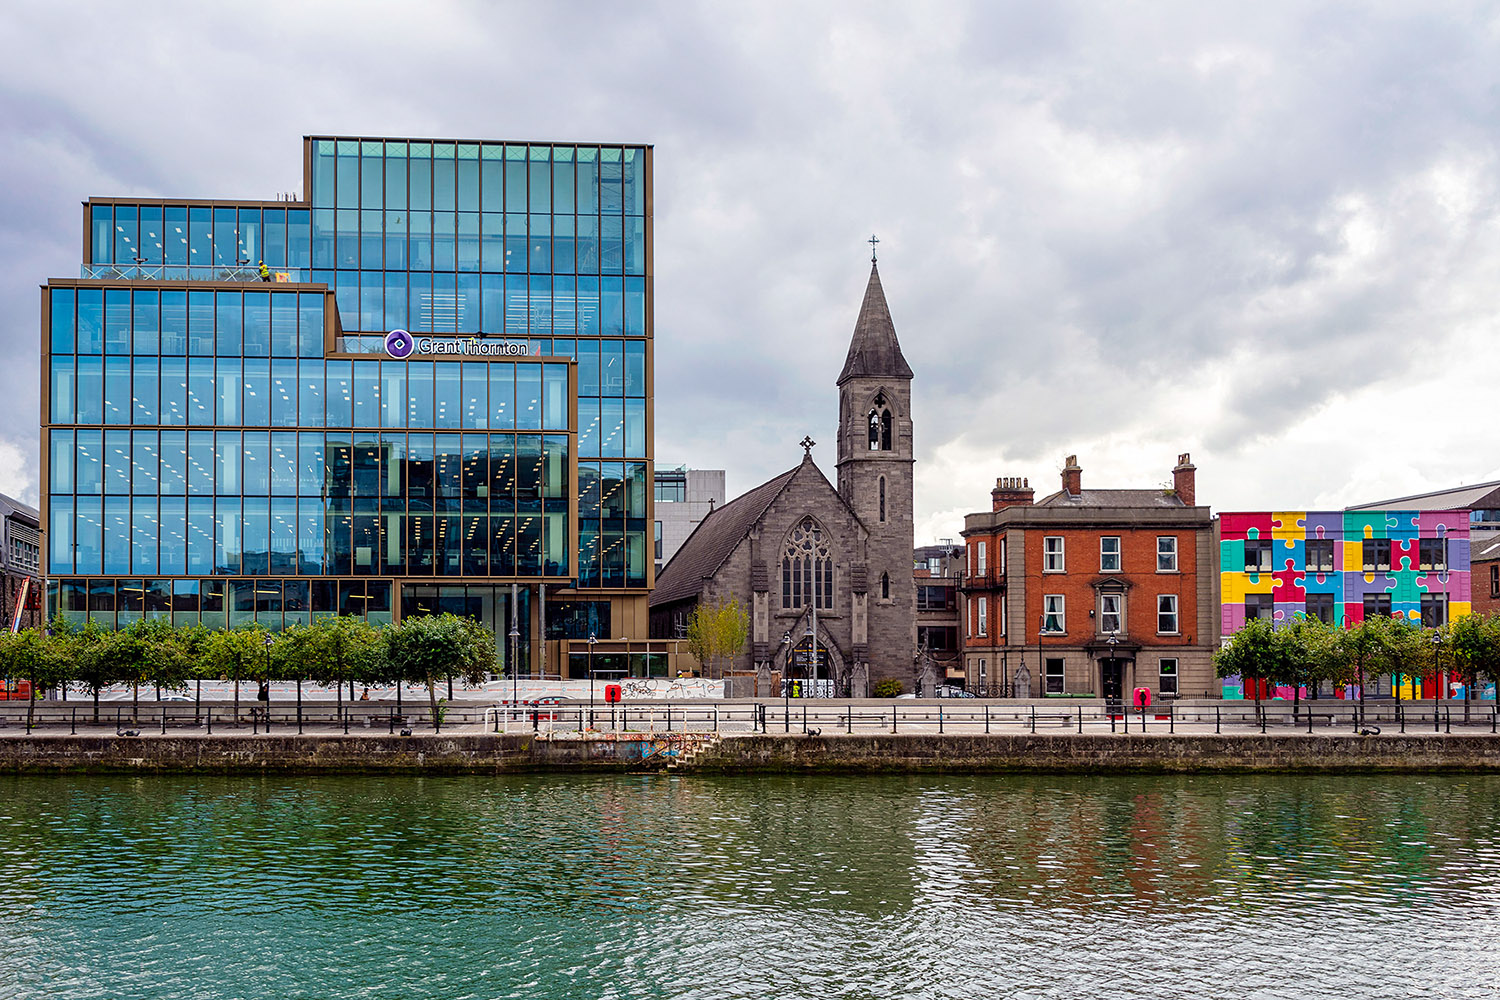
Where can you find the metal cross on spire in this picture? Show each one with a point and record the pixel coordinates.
(807, 444)
(872, 241)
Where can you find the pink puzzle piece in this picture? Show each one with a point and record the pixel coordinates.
(1289, 586)
(1256, 524)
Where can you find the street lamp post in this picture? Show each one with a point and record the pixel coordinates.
(1113, 641)
(786, 681)
(269, 640)
(592, 640)
(515, 681)
(1437, 676)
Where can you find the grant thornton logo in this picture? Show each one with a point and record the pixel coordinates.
(399, 343)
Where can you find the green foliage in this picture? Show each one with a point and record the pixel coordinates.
(717, 632)
(426, 649)
(1471, 644)
(888, 688)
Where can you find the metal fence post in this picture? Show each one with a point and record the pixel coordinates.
(210, 716)
(940, 720)
(164, 720)
(1448, 718)
(986, 719)
(1216, 720)
(849, 718)
(1080, 720)
(893, 718)
(74, 730)
(1033, 719)
(1171, 719)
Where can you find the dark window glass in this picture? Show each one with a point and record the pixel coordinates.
(1258, 555)
(1320, 606)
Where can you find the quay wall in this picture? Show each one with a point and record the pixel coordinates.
(752, 754)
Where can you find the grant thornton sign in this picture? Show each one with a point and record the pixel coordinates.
(401, 344)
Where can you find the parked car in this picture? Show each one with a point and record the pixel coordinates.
(953, 691)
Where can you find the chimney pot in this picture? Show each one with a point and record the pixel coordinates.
(1010, 491)
(1184, 476)
(1072, 476)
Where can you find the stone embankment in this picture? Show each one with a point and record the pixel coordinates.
(750, 754)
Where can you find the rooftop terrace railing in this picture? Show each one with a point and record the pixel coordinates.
(180, 272)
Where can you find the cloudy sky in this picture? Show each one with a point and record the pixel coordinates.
(1268, 235)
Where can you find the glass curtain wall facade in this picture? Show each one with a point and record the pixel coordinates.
(229, 443)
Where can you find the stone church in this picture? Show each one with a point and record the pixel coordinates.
(806, 558)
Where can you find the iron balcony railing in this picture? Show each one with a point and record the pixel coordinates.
(182, 272)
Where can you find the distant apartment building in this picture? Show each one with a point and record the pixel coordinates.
(938, 571)
(20, 563)
(684, 497)
(1092, 592)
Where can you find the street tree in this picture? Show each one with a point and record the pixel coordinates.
(717, 632)
(425, 649)
(34, 656)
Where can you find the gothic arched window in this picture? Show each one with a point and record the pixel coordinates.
(885, 586)
(806, 568)
(882, 499)
(880, 425)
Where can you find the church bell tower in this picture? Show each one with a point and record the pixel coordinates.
(875, 477)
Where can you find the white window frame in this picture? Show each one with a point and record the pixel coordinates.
(1048, 675)
(1053, 561)
(1060, 604)
(1163, 674)
(1118, 600)
(980, 556)
(1169, 555)
(982, 616)
(1162, 600)
(1118, 553)
(1000, 564)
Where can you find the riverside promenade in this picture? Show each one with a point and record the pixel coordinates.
(746, 737)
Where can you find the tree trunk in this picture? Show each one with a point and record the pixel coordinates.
(31, 703)
(96, 704)
(1296, 699)
(135, 703)
(432, 697)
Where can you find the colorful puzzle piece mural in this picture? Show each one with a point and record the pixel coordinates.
(1435, 594)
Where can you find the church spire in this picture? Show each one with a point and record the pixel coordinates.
(874, 350)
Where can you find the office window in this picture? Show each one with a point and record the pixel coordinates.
(1109, 554)
(1166, 614)
(1320, 606)
(1257, 555)
(1377, 605)
(937, 638)
(1054, 675)
(658, 540)
(1432, 554)
(1052, 554)
(1319, 555)
(982, 616)
(1377, 555)
(1166, 553)
(1258, 606)
(932, 598)
(1434, 610)
(1167, 677)
(979, 558)
(1053, 620)
(1111, 618)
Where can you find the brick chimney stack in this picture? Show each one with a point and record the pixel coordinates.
(1183, 480)
(1011, 492)
(1072, 476)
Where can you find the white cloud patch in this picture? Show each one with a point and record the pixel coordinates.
(1265, 235)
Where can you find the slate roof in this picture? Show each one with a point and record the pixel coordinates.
(713, 540)
(874, 350)
(1485, 547)
(1113, 498)
(1480, 496)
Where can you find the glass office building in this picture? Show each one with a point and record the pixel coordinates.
(434, 396)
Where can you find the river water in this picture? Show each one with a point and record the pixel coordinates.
(665, 886)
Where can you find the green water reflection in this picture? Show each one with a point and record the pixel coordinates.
(662, 886)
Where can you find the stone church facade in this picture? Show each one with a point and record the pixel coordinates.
(806, 557)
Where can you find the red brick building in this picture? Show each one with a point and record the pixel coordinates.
(1484, 572)
(1092, 592)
